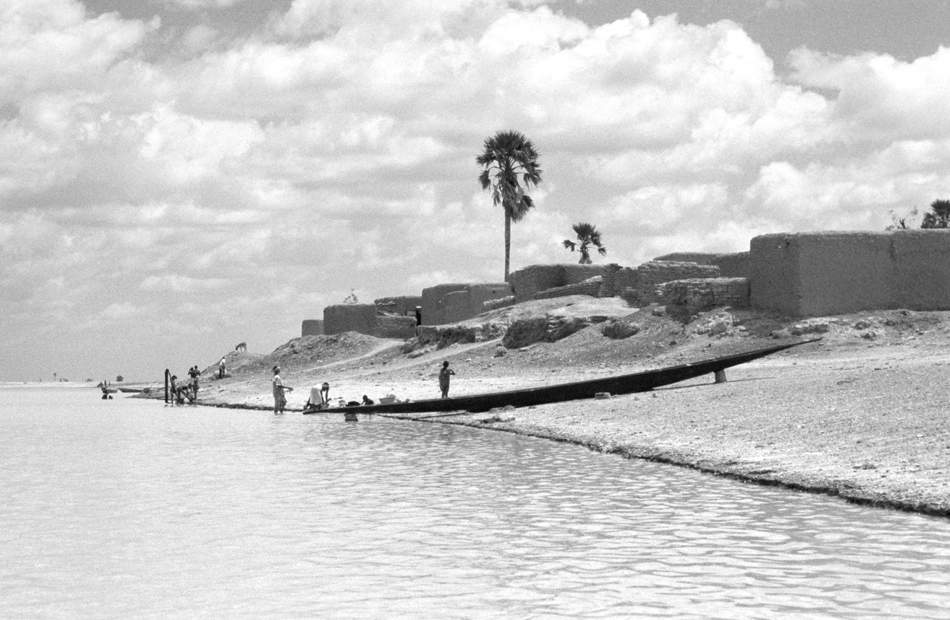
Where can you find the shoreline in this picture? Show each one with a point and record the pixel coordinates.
(869, 426)
(863, 415)
(784, 480)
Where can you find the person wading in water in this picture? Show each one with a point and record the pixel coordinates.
(280, 400)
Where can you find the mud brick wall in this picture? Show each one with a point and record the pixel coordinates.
(393, 326)
(432, 300)
(451, 303)
(810, 274)
(823, 273)
(922, 269)
(494, 304)
(700, 294)
(575, 274)
(625, 278)
(639, 288)
(350, 318)
(609, 286)
(700, 258)
(588, 287)
(527, 282)
(312, 327)
(401, 306)
(733, 265)
(454, 307)
(534, 279)
(480, 293)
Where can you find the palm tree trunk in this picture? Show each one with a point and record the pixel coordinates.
(507, 242)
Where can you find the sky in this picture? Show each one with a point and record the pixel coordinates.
(179, 176)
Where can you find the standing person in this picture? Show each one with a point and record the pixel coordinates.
(193, 372)
(280, 399)
(221, 370)
(444, 375)
(174, 387)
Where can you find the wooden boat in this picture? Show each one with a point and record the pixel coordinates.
(622, 384)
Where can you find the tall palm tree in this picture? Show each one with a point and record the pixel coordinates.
(508, 160)
(588, 235)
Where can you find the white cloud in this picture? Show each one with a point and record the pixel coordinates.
(881, 98)
(53, 43)
(199, 38)
(180, 284)
(334, 149)
(202, 4)
(120, 312)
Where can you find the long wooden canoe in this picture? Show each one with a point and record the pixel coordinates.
(621, 384)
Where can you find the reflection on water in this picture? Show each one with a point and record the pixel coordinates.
(126, 508)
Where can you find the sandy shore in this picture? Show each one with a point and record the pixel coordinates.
(871, 427)
(866, 419)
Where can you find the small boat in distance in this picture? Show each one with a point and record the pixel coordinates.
(623, 384)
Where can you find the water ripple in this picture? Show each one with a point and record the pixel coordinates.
(125, 508)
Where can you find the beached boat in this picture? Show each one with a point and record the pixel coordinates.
(622, 384)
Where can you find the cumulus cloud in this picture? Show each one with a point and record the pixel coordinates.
(54, 44)
(180, 284)
(203, 4)
(879, 97)
(234, 188)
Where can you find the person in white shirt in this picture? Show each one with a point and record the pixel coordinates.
(280, 399)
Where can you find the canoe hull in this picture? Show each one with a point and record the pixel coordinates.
(622, 384)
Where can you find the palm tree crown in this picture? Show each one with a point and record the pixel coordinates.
(509, 159)
(588, 235)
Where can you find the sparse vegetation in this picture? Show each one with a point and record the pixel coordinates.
(937, 217)
(901, 223)
(587, 235)
(508, 157)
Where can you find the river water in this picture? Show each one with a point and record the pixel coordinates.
(132, 509)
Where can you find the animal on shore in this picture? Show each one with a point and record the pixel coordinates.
(241, 347)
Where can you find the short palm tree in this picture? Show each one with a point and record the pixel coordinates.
(938, 216)
(509, 159)
(587, 235)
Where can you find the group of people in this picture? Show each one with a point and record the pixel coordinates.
(187, 390)
(321, 400)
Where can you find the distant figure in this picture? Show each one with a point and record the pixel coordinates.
(444, 378)
(221, 370)
(241, 347)
(367, 400)
(324, 395)
(193, 372)
(280, 399)
(176, 391)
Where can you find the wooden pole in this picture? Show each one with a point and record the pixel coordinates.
(166, 385)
